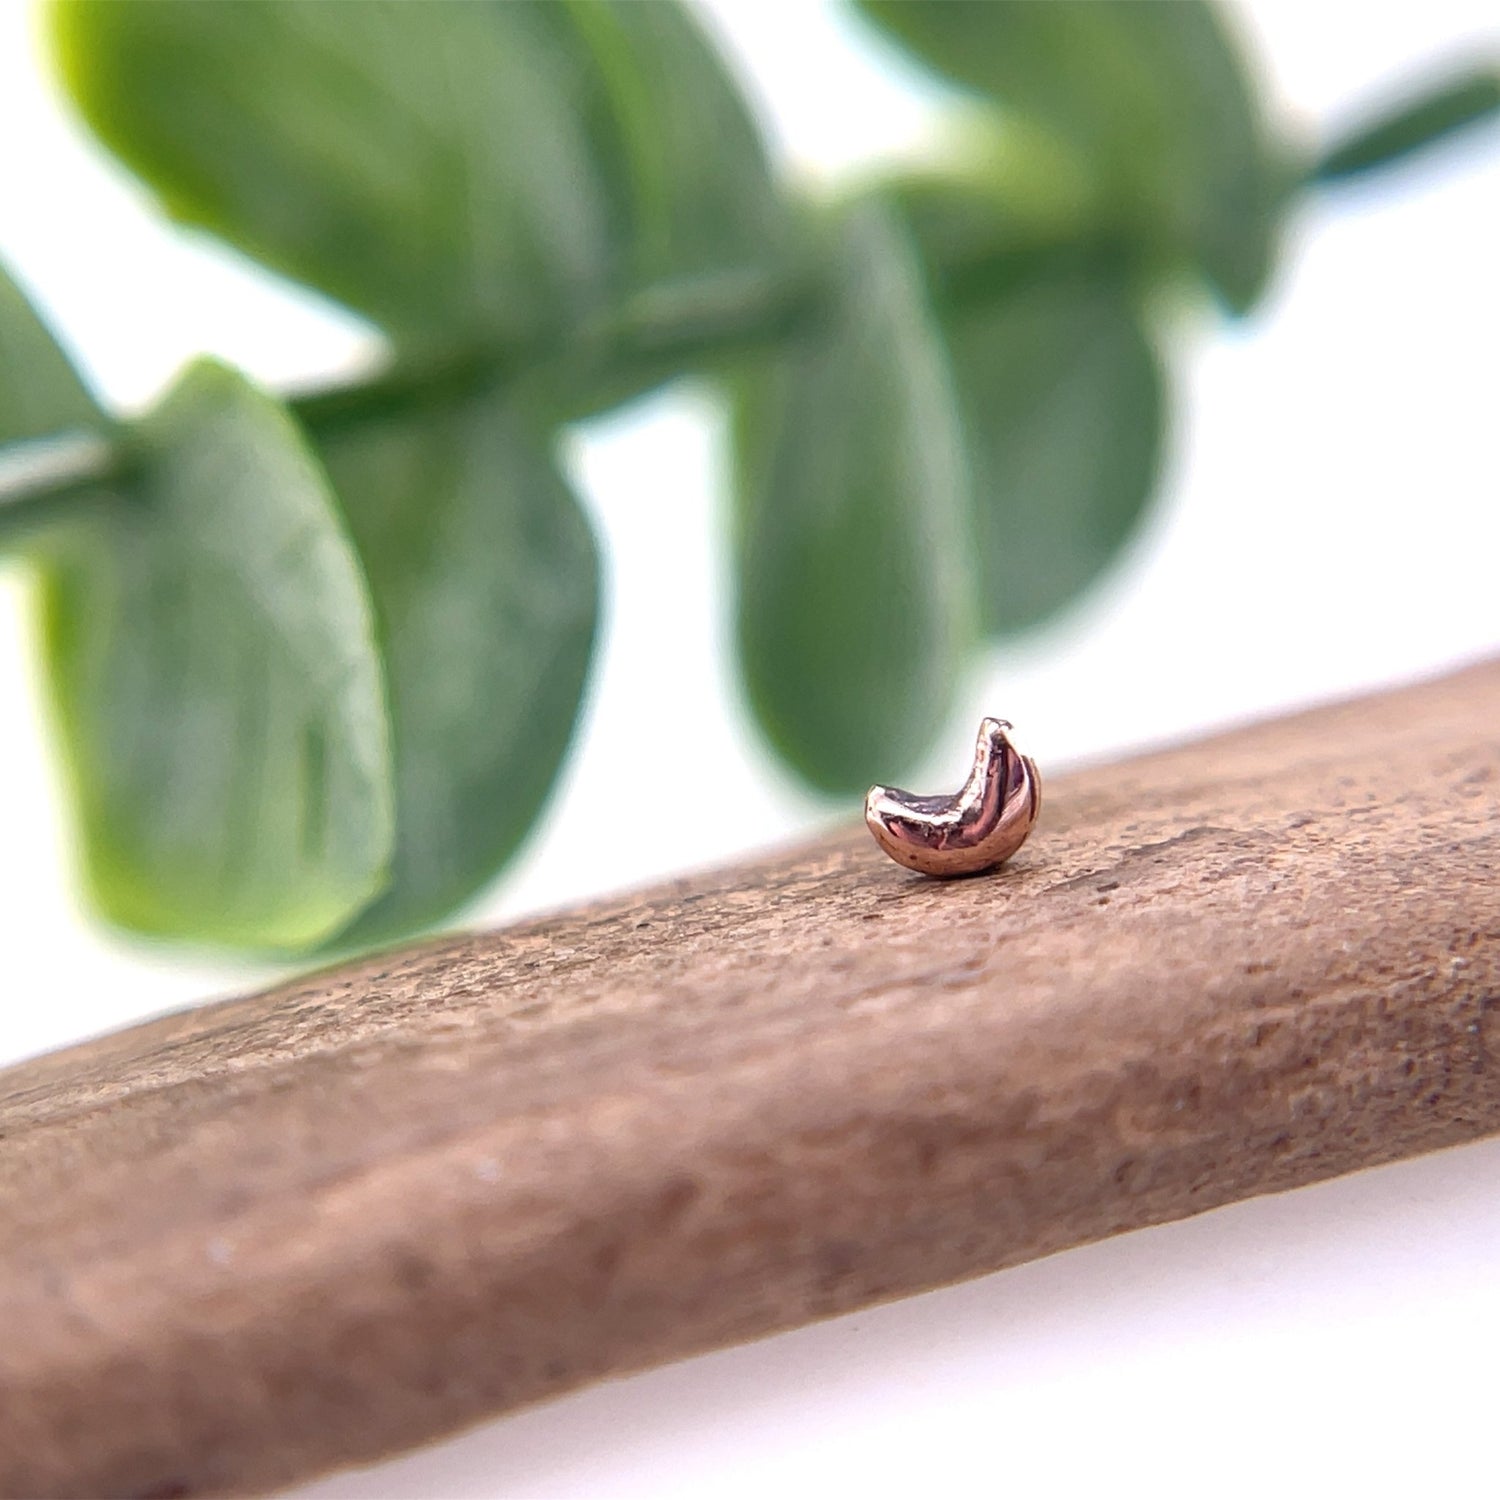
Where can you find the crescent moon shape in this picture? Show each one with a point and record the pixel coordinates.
(977, 828)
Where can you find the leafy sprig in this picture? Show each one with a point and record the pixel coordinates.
(315, 662)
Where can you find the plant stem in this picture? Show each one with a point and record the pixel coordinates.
(655, 332)
(683, 320)
(1455, 104)
(666, 325)
(51, 484)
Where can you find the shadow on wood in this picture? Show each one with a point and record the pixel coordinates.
(276, 1235)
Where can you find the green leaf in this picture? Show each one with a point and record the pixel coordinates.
(1062, 399)
(426, 164)
(694, 188)
(41, 394)
(1154, 96)
(485, 583)
(854, 592)
(704, 224)
(213, 664)
(1413, 126)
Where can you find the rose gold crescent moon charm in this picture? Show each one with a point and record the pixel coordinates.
(976, 829)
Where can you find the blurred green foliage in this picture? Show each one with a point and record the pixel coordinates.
(856, 594)
(211, 650)
(315, 663)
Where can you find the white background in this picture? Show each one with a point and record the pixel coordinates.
(1331, 521)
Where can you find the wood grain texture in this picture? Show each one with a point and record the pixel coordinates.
(272, 1236)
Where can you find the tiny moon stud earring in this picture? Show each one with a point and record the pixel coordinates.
(977, 828)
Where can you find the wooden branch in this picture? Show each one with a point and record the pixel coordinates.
(272, 1236)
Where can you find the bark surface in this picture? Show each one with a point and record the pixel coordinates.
(276, 1235)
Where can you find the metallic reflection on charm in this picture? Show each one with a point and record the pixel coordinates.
(976, 829)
